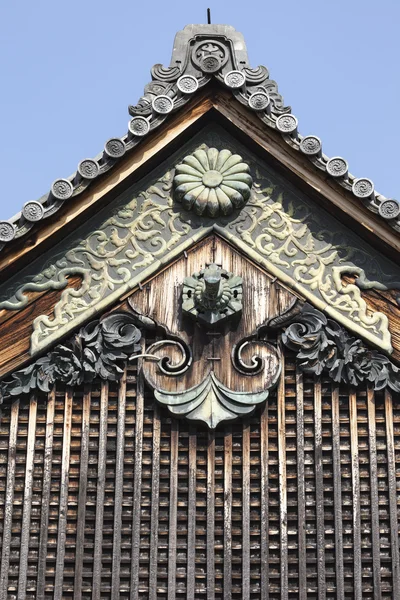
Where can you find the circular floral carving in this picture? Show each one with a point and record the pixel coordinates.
(33, 211)
(139, 126)
(337, 167)
(7, 231)
(363, 188)
(114, 148)
(187, 84)
(259, 101)
(311, 145)
(389, 209)
(62, 189)
(162, 104)
(286, 124)
(88, 168)
(234, 79)
(212, 182)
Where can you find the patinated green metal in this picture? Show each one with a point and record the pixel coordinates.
(145, 228)
(212, 295)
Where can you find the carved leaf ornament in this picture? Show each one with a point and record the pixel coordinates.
(99, 349)
(102, 348)
(212, 400)
(149, 226)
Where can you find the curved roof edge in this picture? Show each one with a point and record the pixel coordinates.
(200, 53)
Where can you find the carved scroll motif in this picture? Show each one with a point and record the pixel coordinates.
(277, 227)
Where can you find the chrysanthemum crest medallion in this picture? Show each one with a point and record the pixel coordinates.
(212, 182)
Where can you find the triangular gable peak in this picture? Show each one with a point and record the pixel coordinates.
(178, 204)
(201, 53)
(217, 183)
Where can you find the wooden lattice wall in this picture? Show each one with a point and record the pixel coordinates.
(104, 495)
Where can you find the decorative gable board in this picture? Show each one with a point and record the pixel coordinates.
(182, 416)
(146, 227)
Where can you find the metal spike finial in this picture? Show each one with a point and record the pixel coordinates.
(209, 16)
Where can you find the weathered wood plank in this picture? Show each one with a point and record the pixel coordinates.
(301, 486)
(155, 495)
(355, 472)
(337, 493)
(211, 516)
(282, 481)
(83, 477)
(101, 479)
(246, 513)
(264, 504)
(373, 470)
(16, 328)
(119, 480)
(44, 517)
(393, 507)
(137, 482)
(228, 514)
(319, 490)
(173, 511)
(9, 500)
(26, 517)
(62, 519)
(191, 539)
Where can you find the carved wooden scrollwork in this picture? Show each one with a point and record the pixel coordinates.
(211, 364)
(202, 372)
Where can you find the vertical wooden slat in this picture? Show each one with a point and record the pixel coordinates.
(9, 500)
(173, 510)
(376, 558)
(337, 494)
(83, 476)
(211, 516)
(356, 497)
(228, 514)
(155, 493)
(191, 540)
(26, 516)
(319, 490)
(282, 483)
(137, 483)
(246, 513)
(44, 517)
(101, 479)
(301, 487)
(119, 481)
(264, 525)
(393, 508)
(62, 519)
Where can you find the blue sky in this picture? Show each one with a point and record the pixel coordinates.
(69, 71)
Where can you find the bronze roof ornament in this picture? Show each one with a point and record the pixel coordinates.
(201, 53)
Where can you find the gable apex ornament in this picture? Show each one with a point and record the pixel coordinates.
(212, 295)
(212, 182)
(201, 53)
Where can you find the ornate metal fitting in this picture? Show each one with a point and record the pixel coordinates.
(212, 295)
(212, 182)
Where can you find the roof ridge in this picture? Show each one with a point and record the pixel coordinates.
(201, 52)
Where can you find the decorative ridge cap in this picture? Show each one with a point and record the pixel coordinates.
(200, 53)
